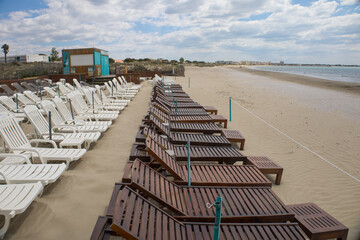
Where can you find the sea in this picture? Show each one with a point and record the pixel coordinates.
(334, 73)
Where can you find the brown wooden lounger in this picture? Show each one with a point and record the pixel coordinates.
(266, 166)
(240, 204)
(179, 105)
(133, 217)
(206, 174)
(180, 111)
(201, 175)
(228, 155)
(195, 139)
(207, 128)
(317, 223)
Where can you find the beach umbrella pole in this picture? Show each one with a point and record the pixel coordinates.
(230, 107)
(188, 162)
(71, 110)
(17, 102)
(50, 125)
(58, 88)
(92, 100)
(189, 82)
(217, 205)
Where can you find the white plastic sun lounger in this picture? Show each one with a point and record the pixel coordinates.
(105, 99)
(53, 94)
(91, 98)
(123, 88)
(82, 109)
(59, 123)
(15, 199)
(15, 139)
(28, 173)
(11, 105)
(63, 90)
(88, 107)
(42, 128)
(72, 118)
(117, 93)
(130, 85)
(18, 116)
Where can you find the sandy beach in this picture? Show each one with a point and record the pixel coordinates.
(273, 112)
(290, 122)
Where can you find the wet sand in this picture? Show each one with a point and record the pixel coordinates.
(69, 208)
(278, 111)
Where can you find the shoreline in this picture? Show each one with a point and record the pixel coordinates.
(353, 88)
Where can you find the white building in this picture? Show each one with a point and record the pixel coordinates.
(25, 58)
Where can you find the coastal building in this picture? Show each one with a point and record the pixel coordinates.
(91, 61)
(25, 58)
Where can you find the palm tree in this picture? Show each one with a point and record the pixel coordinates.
(5, 48)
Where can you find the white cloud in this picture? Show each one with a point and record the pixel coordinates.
(212, 29)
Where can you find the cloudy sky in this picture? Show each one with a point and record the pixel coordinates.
(295, 31)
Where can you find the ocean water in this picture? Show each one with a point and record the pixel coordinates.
(342, 74)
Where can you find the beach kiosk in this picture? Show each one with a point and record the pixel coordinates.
(91, 61)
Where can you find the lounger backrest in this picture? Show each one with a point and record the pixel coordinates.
(116, 83)
(89, 97)
(163, 117)
(134, 217)
(79, 98)
(75, 104)
(7, 89)
(24, 100)
(50, 91)
(77, 84)
(37, 119)
(64, 90)
(157, 186)
(164, 129)
(63, 110)
(18, 87)
(8, 102)
(101, 94)
(68, 85)
(32, 96)
(4, 110)
(12, 133)
(165, 159)
(162, 141)
(56, 118)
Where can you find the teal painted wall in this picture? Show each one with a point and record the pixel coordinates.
(105, 65)
(66, 62)
(97, 58)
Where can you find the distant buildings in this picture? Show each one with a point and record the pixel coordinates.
(25, 58)
(91, 61)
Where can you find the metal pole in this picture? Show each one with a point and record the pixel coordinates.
(112, 90)
(92, 99)
(50, 125)
(169, 125)
(101, 97)
(85, 83)
(230, 107)
(17, 102)
(217, 205)
(58, 88)
(74, 85)
(71, 110)
(175, 110)
(188, 163)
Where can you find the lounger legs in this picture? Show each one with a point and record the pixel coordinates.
(6, 226)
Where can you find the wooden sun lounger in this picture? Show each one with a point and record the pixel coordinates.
(19, 88)
(206, 128)
(195, 139)
(180, 111)
(228, 155)
(317, 223)
(201, 175)
(131, 216)
(266, 166)
(206, 174)
(195, 118)
(240, 204)
(180, 105)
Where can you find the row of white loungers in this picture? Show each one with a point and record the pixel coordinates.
(21, 181)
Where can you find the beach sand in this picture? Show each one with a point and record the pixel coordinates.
(69, 208)
(324, 120)
(272, 110)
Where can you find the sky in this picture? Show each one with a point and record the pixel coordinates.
(293, 31)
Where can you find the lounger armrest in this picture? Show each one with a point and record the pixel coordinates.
(5, 178)
(73, 128)
(32, 150)
(44, 141)
(25, 159)
(57, 134)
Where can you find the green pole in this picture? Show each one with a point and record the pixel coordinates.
(74, 85)
(17, 102)
(188, 163)
(217, 205)
(101, 97)
(49, 125)
(230, 107)
(175, 110)
(189, 82)
(92, 100)
(71, 110)
(58, 91)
